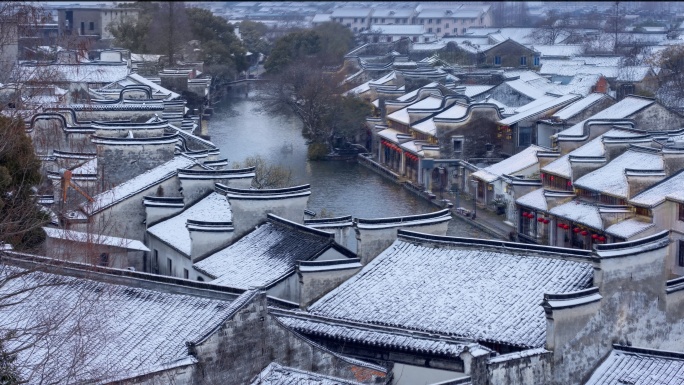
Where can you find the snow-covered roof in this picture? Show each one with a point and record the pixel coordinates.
(434, 46)
(373, 334)
(528, 111)
(276, 374)
(392, 12)
(75, 73)
(579, 106)
(620, 110)
(526, 89)
(351, 12)
(97, 239)
(145, 57)
(610, 179)
(128, 331)
(402, 115)
(629, 228)
(366, 86)
(580, 84)
(321, 18)
(135, 79)
(265, 255)
(487, 294)
(413, 93)
(559, 50)
(670, 188)
(633, 73)
(510, 166)
(427, 126)
(473, 91)
(213, 208)
(136, 184)
(629, 365)
(580, 212)
(534, 199)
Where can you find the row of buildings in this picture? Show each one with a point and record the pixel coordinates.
(162, 265)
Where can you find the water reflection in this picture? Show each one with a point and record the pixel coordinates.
(241, 129)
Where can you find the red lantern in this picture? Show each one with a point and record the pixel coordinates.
(584, 232)
(576, 230)
(540, 220)
(546, 221)
(566, 227)
(560, 225)
(602, 239)
(594, 236)
(569, 184)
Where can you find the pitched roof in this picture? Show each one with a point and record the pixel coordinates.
(276, 374)
(213, 208)
(402, 115)
(534, 199)
(135, 185)
(137, 330)
(629, 228)
(610, 179)
(98, 239)
(265, 255)
(518, 162)
(670, 188)
(620, 110)
(579, 106)
(537, 109)
(636, 366)
(580, 212)
(487, 294)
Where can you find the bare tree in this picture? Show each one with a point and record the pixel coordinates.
(267, 175)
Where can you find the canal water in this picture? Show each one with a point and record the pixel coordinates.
(240, 129)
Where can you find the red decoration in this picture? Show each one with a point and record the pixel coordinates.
(569, 184)
(602, 239)
(594, 236)
(562, 226)
(540, 220)
(584, 232)
(576, 230)
(567, 227)
(546, 221)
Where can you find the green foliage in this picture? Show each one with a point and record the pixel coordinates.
(9, 374)
(267, 175)
(253, 36)
(348, 119)
(20, 217)
(323, 46)
(317, 151)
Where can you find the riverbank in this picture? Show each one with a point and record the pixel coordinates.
(485, 221)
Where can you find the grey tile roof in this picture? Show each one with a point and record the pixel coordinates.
(375, 335)
(129, 330)
(265, 255)
(276, 374)
(626, 365)
(487, 294)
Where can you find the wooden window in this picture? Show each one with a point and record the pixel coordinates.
(104, 259)
(680, 260)
(681, 211)
(169, 266)
(497, 60)
(523, 60)
(646, 212)
(186, 273)
(536, 61)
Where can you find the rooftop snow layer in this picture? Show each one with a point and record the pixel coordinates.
(485, 294)
(534, 199)
(620, 110)
(136, 185)
(402, 115)
(529, 110)
(629, 228)
(263, 256)
(509, 166)
(670, 188)
(639, 367)
(126, 330)
(610, 179)
(97, 239)
(578, 106)
(213, 208)
(579, 212)
(276, 374)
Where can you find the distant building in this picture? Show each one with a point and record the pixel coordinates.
(92, 20)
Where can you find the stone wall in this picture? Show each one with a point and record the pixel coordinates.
(122, 162)
(530, 367)
(252, 339)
